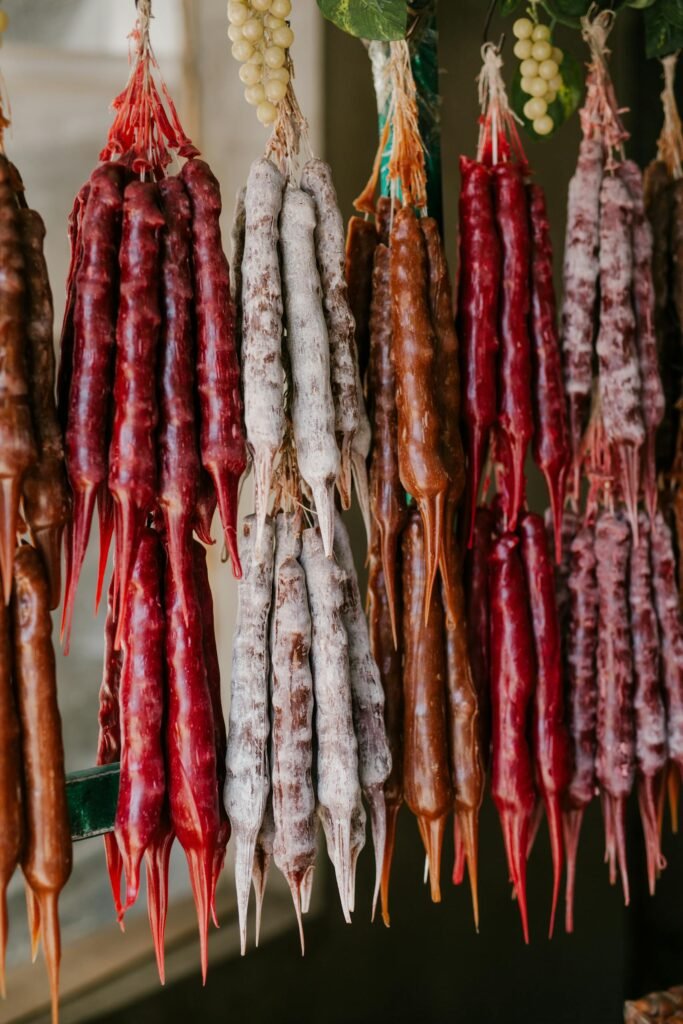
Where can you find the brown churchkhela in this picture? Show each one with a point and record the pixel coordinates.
(46, 857)
(17, 443)
(361, 242)
(45, 490)
(426, 777)
(420, 462)
(11, 818)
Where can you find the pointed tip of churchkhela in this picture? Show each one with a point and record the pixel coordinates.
(33, 914)
(554, 815)
(245, 846)
(431, 512)
(205, 509)
(556, 482)
(218, 862)
(157, 858)
(647, 805)
(52, 945)
(610, 857)
(344, 478)
(360, 479)
(571, 822)
(432, 833)
(378, 823)
(199, 865)
(10, 489)
(131, 861)
(114, 870)
(259, 879)
(673, 785)
(226, 492)
(77, 541)
(388, 549)
(515, 827)
(618, 818)
(468, 834)
(389, 845)
(105, 515)
(338, 837)
(49, 543)
(458, 876)
(294, 882)
(323, 496)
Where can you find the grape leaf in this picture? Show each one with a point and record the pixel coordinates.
(663, 27)
(509, 7)
(568, 98)
(368, 19)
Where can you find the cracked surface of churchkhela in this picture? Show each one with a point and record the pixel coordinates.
(309, 353)
(316, 181)
(671, 633)
(387, 651)
(374, 757)
(46, 856)
(213, 680)
(551, 748)
(132, 455)
(648, 705)
(513, 677)
(582, 696)
(361, 241)
(190, 753)
(580, 278)
(109, 736)
(47, 505)
(652, 392)
(550, 442)
(292, 714)
(261, 305)
(615, 752)
(91, 373)
(387, 498)
(11, 811)
(178, 442)
(478, 292)
(142, 785)
(619, 376)
(464, 733)
(448, 395)
(17, 442)
(247, 780)
(514, 425)
(413, 351)
(338, 789)
(221, 434)
(427, 786)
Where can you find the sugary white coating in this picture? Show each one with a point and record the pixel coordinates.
(374, 758)
(247, 781)
(338, 790)
(330, 248)
(670, 632)
(262, 373)
(309, 353)
(358, 823)
(292, 714)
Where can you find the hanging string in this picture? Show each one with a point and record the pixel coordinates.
(601, 114)
(670, 142)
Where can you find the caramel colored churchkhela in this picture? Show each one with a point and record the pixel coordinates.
(46, 858)
(426, 778)
(420, 462)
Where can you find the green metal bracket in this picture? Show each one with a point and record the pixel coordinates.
(92, 796)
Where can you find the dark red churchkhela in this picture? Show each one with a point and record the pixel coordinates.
(221, 435)
(478, 319)
(109, 739)
(132, 458)
(513, 675)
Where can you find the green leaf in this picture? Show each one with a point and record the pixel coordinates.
(368, 19)
(509, 7)
(663, 27)
(640, 5)
(563, 106)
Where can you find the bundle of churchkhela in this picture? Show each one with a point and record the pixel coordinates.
(304, 684)
(150, 402)
(400, 293)
(34, 506)
(617, 586)
(512, 398)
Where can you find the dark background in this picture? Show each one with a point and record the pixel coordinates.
(430, 966)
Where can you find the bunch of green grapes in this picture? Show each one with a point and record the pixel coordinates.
(540, 69)
(260, 38)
